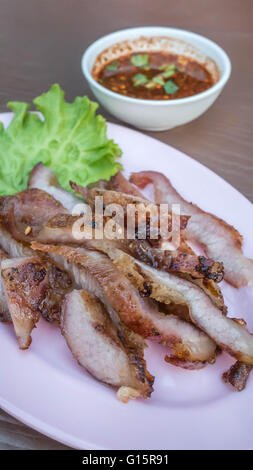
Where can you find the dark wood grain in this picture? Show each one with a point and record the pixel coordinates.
(41, 42)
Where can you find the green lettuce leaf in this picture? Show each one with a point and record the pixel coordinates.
(71, 139)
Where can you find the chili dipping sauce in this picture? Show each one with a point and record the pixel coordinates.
(155, 76)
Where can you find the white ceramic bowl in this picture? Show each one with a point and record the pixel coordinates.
(149, 114)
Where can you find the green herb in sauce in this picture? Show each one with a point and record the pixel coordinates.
(113, 66)
(158, 79)
(139, 79)
(169, 71)
(150, 85)
(170, 87)
(139, 60)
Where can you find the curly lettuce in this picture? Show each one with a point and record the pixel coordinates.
(69, 138)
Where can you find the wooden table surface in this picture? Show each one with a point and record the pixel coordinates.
(41, 42)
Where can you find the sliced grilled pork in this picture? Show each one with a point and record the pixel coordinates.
(59, 282)
(113, 355)
(95, 272)
(25, 284)
(221, 241)
(44, 178)
(165, 287)
(24, 214)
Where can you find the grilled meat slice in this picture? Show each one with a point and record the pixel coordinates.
(4, 311)
(59, 282)
(25, 284)
(24, 214)
(112, 354)
(220, 240)
(44, 178)
(95, 272)
(166, 288)
(238, 375)
(31, 208)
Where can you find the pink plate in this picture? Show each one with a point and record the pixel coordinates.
(45, 388)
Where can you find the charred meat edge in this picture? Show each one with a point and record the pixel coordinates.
(25, 284)
(59, 282)
(237, 376)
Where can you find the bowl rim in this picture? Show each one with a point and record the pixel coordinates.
(157, 103)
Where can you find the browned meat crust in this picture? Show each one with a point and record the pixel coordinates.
(59, 284)
(25, 285)
(184, 263)
(238, 375)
